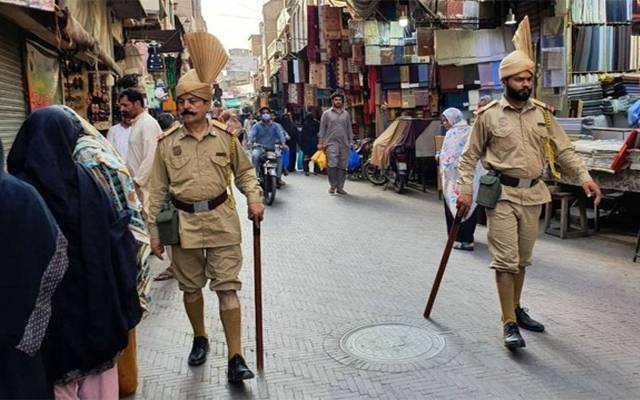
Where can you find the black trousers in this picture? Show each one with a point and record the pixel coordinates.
(467, 228)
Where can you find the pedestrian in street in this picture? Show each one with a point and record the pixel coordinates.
(511, 136)
(96, 304)
(118, 135)
(96, 154)
(336, 135)
(194, 166)
(143, 140)
(292, 138)
(448, 157)
(309, 140)
(267, 134)
(30, 277)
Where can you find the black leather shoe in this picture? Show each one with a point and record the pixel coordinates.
(526, 322)
(512, 337)
(238, 370)
(199, 351)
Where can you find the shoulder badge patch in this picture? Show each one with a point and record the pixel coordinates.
(488, 106)
(543, 105)
(169, 131)
(222, 126)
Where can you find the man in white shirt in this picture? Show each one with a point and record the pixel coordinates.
(143, 140)
(118, 135)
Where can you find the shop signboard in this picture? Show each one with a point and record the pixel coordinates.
(43, 77)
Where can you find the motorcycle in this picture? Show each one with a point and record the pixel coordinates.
(359, 153)
(395, 174)
(268, 173)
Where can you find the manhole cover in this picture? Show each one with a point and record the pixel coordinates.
(392, 345)
(392, 342)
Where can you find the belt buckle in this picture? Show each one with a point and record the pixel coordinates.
(524, 183)
(201, 206)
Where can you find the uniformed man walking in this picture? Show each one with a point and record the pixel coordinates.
(193, 167)
(514, 136)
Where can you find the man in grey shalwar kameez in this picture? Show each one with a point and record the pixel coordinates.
(336, 135)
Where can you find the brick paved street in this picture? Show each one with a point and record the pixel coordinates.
(335, 264)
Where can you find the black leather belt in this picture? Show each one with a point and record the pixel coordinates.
(201, 206)
(518, 183)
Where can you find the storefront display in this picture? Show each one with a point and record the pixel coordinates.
(99, 98)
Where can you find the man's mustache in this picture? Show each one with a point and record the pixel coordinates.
(188, 113)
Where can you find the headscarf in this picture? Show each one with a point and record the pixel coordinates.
(34, 261)
(99, 156)
(97, 303)
(516, 62)
(452, 147)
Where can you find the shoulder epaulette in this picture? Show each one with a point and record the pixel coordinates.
(488, 106)
(542, 104)
(170, 131)
(222, 126)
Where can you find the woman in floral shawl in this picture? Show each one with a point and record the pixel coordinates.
(454, 142)
(99, 156)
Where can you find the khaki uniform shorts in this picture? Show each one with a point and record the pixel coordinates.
(513, 230)
(221, 265)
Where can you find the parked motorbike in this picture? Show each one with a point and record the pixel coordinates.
(268, 173)
(395, 174)
(360, 153)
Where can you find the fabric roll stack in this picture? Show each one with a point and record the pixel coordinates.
(591, 96)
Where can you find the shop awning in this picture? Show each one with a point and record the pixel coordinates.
(169, 40)
(74, 36)
(127, 9)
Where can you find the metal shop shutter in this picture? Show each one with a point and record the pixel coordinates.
(13, 108)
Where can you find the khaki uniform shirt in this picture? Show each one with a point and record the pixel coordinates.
(193, 171)
(513, 143)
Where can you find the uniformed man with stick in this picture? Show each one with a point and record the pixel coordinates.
(194, 167)
(516, 136)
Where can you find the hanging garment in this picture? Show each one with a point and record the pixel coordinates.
(332, 22)
(425, 41)
(408, 98)
(422, 97)
(313, 44)
(154, 62)
(471, 76)
(386, 56)
(394, 98)
(371, 33)
(372, 55)
(356, 31)
(423, 75)
(451, 78)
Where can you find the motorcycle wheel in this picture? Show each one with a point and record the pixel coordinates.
(374, 174)
(270, 189)
(399, 183)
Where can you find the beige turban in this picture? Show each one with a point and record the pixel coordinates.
(191, 84)
(515, 63)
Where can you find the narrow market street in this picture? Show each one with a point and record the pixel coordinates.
(345, 282)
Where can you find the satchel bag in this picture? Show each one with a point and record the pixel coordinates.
(489, 191)
(168, 225)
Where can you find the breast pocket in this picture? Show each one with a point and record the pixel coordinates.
(504, 139)
(220, 160)
(178, 169)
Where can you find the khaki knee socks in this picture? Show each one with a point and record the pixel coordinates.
(194, 304)
(506, 283)
(231, 321)
(518, 284)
